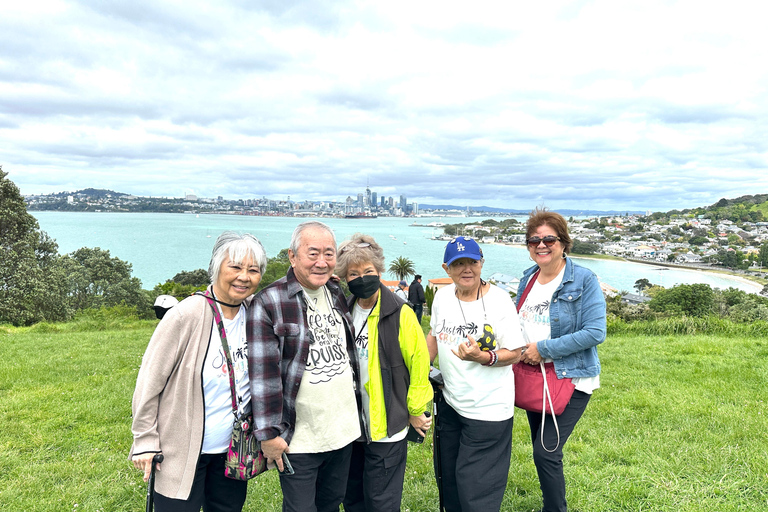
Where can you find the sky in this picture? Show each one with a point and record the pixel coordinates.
(595, 104)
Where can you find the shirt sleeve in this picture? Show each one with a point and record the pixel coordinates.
(413, 347)
(264, 369)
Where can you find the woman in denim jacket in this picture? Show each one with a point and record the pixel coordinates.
(563, 317)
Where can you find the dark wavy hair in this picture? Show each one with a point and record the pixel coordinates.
(541, 216)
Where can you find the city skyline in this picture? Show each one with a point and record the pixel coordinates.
(594, 104)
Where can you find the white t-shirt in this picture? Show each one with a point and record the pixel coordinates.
(360, 320)
(216, 391)
(326, 407)
(401, 293)
(534, 317)
(475, 391)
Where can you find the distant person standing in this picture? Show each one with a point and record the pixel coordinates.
(303, 364)
(416, 297)
(400, 292)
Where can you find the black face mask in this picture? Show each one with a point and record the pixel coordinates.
(364, 286)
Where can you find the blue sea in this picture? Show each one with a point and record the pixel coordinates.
(159, 245)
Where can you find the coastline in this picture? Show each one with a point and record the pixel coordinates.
(752, 281)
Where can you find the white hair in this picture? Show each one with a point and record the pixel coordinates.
(296, 237)
(238, 248)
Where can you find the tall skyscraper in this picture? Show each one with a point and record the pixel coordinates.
(373, 199)
(403, 205)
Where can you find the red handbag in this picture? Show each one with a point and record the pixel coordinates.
(531, 392)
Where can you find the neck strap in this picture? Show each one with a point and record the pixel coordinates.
(225, 346)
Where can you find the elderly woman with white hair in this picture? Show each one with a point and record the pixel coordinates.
(182, 405)
(394, 378)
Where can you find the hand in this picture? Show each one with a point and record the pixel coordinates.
(470, 351)
(421, 423)
(143, 462)
(531, 354)
(273, 450)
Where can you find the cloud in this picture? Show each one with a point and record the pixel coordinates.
(633, 105)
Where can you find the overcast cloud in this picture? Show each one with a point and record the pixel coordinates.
(642, 105)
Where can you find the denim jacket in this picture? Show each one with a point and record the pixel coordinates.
(577, 322)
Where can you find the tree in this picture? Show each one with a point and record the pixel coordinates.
(197, 277)
(402, 268)
(277, 267)
(642, 284)
(686, 299)
(698, 240)
(32, 288)
(580, 247)
(95, 280)
(762, 256)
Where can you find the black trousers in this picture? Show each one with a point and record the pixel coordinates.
(549, 466)
(474, 459)
(211, 490)
(319, 482)
(376, 476)
(419, 310)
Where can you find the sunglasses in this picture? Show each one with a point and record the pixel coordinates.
(548, 240)
(350, 246)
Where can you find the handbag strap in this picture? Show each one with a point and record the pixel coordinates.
(225, 346)
(527, 290)
(546, 395)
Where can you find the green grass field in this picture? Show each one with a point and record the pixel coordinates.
(678, 424)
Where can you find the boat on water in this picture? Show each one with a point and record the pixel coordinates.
(360, 215)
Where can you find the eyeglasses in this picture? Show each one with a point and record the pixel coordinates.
(548, 240)
(349, 246)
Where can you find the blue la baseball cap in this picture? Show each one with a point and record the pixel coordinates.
(462, 247)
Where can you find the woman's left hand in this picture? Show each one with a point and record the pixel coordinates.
(531, 354)
(421, 423)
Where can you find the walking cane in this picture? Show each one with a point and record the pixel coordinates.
(436, 379)
(157, 459)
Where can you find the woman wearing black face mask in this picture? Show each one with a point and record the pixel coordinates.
(394, 378)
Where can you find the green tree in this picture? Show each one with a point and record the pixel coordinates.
(277, 267)
(402, 267)
(762, 256)
(580, 247)
(95, 280)
(32, 288)
(698, 240)
(685, 299)
(197, 277)
(642, 284)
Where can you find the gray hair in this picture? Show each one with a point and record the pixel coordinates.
(309, 224)
(359, 249)
(238, 248)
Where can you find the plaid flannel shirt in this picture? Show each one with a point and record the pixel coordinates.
(278, 334)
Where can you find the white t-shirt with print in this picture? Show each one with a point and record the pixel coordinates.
(534, 316)
(216, 390)
(326, 407)
(360, 320)
(476, 391)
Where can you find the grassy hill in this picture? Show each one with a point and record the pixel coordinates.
(678, 424)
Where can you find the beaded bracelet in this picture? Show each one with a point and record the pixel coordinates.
(494, 358)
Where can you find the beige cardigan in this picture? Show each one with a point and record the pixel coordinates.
(168, 406)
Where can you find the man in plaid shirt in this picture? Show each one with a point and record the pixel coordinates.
(303, 368)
